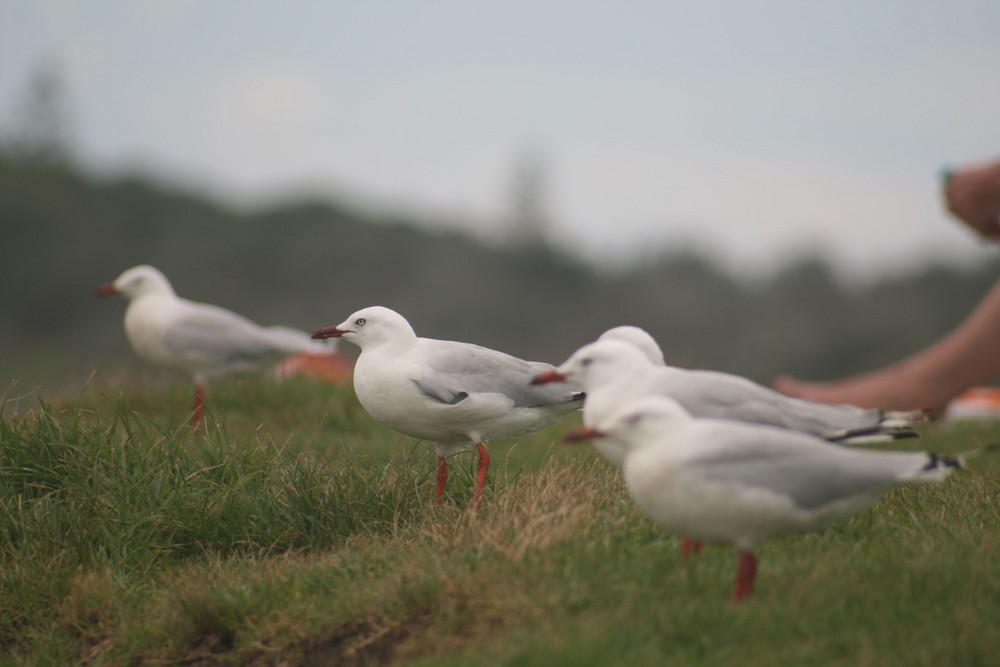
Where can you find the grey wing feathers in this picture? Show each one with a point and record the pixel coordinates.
(809, 473)
(440, 392)
(454, 369)
(216, 335)
(723, 396)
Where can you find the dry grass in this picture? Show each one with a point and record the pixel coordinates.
(431, 586)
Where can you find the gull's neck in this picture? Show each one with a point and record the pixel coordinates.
(612, 376)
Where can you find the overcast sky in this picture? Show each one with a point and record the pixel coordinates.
(754, 129)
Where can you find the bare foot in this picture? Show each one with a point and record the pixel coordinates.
(889, 391)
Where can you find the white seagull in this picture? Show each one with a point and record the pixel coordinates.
(202, 340)
(614, 373)
(741, 484)
(457, 395)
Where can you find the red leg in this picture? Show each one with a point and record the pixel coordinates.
(484, 465)
(198, 408)
(744, 575)
(442, 480)
(690, 547)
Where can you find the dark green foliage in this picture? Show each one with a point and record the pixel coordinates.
(310, 264)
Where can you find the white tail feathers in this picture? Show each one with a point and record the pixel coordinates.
(872, 438)
(892, 425)
(937, 468)
(904, 419)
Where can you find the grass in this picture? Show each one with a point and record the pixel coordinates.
(297, 531)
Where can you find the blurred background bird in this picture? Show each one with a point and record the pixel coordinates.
(205, 341)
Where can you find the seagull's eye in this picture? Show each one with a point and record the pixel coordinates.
(360, 321)
(586, 362)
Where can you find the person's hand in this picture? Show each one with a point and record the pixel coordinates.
(973, 196)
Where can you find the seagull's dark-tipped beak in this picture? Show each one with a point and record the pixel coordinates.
(107, 289)
(545, 377)
(582, 434)
(328, 332)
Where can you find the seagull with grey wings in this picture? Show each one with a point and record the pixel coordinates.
(741, 484)
(205, 341)
(626, 364)
(457, 395)
(614, 372)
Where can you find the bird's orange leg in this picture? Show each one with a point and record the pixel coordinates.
(198, 408)
(745, 575)
(484, 465)
(442, 480)
(690, 547)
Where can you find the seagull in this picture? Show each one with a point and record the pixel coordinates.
(741, 484)
(457, 395)
(202, 340)
(614, 373)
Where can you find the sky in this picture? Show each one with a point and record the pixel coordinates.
(753, 131)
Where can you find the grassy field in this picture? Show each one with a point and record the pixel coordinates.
(296, 531)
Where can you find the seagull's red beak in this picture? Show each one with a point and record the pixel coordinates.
(328, 332)
(107, 289)
(582, 434)
(551, 375)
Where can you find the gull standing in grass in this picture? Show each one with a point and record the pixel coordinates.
(742, 484)
(457, 395)
(645, 343)
(614, 372)
(202, 340)
(626, 363)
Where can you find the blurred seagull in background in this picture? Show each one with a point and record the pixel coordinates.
(614, 373)
(457, 395)
(742, 484)
(203, 340)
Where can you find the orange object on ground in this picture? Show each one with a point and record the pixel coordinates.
(975, 402)
(335, 368)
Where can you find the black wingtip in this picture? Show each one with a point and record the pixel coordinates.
(935, 461)
(846, 436)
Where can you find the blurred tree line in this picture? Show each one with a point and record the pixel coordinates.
(310, 264)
